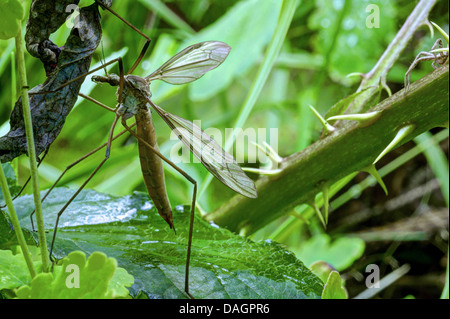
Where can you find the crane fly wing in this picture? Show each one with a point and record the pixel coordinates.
(215, 159)
(191, 63)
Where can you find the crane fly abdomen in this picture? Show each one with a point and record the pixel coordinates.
(152, 166)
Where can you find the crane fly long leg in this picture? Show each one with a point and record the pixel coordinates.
(107, 153)
(119, 59)
(194, 196)
(82, 158)
(97, 102)
(215, 159)
(147, 42)
(72, 165)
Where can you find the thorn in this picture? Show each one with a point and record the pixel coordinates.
(299, 216)
(326, 203)
(273, 156)
(373, 171)
(439, 50)
(262, 171)
(386, 87)
(441, 31)
(327, 128)
(363, 75)
(430, 27)
(401, 134)
(356, 117)
(318, 213)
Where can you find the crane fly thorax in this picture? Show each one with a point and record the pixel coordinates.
(135, 96)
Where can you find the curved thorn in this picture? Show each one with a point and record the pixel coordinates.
(363, 75)
(262, 171)
(272, 153)
(439, 50)
(373, 171)
(430, 27)
(441, 31)
(326, 203)
(274, 158)
(318, 213)
(356, 117)
(401, 134)
(327, 128)
(299, 216)
(386, 88)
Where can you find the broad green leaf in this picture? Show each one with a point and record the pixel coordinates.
(12, 13)
(13, 270)
(8, 236)
(12, 182)
(321, 269)
(247, 38)
(340, 254)
(78, 278)
(128, 228)
(247, 47)
(333, 288)
(353, 44)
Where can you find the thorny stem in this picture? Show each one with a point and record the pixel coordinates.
(379, 72)
(31, 150)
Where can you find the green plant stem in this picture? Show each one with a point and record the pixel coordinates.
(16, 224)
(31, 150)
(377, 76)
(351, 148)
(284, 21)
(13, 81)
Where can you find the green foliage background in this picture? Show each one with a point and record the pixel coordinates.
(320, 49)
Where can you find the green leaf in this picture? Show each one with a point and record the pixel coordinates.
(78, 278)
(333, 288)
(12, 13)
(343, 34)
(340, 254)
(237, 28)
(321, 269)
(12, 182)
(13, 270)
(7, 235)
(223, 265)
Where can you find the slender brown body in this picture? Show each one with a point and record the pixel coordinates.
(152, 165)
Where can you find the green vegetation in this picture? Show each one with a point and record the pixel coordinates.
(286, 57)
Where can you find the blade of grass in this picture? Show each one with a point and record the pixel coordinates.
(168, 15)
(436, 159)
(286, 14)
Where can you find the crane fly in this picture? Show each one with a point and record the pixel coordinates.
(134, 99)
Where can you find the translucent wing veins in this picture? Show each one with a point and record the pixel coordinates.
(191, 63)
(215, 159)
